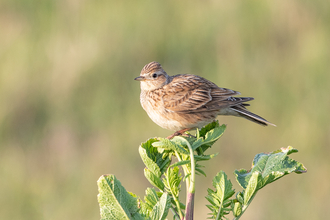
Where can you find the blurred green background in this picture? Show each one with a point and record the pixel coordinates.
(70, 108)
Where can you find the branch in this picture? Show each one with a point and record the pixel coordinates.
(191, 188)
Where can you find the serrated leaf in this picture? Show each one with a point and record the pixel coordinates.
(251, 188)
(220, 198)
(271, 167)
(161, 208)
(155, 205)
(178, 140)
(153, 179)
(172, 181)
(155, 161)
(208, 128)
(170, 145)
(207, 140)
(204, 157)
(289, 150)
(180, 163)
(150, 200)
(115, 202)
(223, 186)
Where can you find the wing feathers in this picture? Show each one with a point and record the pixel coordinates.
(187, 93)
(194, 94)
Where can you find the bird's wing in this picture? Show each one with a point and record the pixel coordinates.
(190, 93)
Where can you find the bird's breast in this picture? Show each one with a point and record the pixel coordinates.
(152, 103)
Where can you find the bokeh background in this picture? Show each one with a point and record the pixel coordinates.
(70, 108)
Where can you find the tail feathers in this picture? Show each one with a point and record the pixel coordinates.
(250, 116)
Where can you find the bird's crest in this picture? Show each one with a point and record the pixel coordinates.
(151, 67)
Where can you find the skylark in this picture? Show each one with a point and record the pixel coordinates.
(184, 102)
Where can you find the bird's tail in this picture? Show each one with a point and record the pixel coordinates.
(243, 112)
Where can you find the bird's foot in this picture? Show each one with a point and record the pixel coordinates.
(181, 132)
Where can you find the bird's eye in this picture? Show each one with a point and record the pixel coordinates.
(154, 75)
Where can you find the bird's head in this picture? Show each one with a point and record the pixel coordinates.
(152, 77)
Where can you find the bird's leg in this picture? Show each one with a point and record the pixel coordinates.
(177, 133)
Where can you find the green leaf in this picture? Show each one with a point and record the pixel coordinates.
(153, 179)
(207, 140)
(266, 168)
(178, 140)
(173, 145)
(251, 188)
(237, 209)
(204, 157)
(208, 128)
(220, 198)
(239, 197)
(172, 181)
(271, 167)
(180, 163)
(155, 206)
(160, 210)
(200, 171)
(150, 200)
(155, 161)
(223, 186)
(115, 202)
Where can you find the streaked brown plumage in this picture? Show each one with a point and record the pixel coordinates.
(184, 102)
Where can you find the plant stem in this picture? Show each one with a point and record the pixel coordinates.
(185, 170)
(192, 175)
(190, 206)
(179, 209)
(191, 187)
(219, 213)
(176, 216)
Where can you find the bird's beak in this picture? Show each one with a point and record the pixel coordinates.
(140, 78)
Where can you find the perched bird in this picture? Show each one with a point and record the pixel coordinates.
(184, 102)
